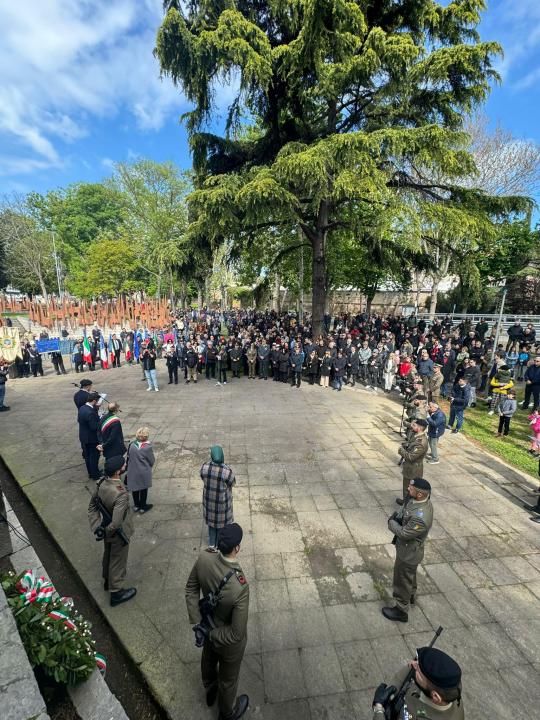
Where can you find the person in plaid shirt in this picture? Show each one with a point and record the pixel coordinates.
(218, 480)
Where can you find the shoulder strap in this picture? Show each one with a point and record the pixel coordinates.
(224, 581)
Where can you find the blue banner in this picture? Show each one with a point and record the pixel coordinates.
(45, 346)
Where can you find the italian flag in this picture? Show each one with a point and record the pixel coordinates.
(87, 355)
(103, 354)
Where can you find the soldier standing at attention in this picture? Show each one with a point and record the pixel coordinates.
(225, 637)
(434, 693)
(115, 497)
(410, 526)
(413, 452)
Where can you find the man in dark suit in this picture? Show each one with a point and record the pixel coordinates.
(81, 396)
(89, 434)
(116, 347)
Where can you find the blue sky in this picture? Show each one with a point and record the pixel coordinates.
(80, 89)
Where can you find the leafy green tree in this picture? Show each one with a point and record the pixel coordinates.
(79, 213)
(110, 266)
(154, 202)
(349, 99)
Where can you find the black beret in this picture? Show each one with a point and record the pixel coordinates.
(229, 537)
(85, 383)
(113, 464)
(421, 422)
(420, 397)
(421, 484)
(439, 668)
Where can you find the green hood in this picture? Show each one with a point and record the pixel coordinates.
(216, 453)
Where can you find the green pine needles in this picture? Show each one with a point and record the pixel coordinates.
(354, 114)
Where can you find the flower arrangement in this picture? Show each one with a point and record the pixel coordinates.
(56, 637)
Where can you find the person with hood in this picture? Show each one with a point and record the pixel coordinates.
(501, 383)
(218, 481)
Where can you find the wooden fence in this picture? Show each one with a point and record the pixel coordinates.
(70, 313)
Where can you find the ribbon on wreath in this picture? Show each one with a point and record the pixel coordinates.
(101, 663)
(42, 590)
(57, 615)
(35, 590)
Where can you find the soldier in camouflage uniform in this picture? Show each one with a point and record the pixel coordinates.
(114, 495)
(225, 643)
(410, 525)
(413, 452)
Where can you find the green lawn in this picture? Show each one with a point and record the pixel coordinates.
(481, 428)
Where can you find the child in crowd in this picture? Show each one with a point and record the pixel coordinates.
(534, 422)
(501, 383)
(507, 407)
(523, 361)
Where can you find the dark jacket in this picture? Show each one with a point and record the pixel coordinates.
(339, 366)
(461, 396)
(112, 436)
(80, 398)
(149, 360)
(88, 420)
(283, 362)
(436, 424)
(297, 360)
(533, 375)
(425, 367)
(326, 366)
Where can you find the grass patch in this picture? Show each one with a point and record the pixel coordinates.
(481, 428)
(381, 590)
(8, 313)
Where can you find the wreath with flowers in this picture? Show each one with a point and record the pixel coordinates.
(56, 637)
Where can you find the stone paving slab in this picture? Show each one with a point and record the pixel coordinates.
(317, 477)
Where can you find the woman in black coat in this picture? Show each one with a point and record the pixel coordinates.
(284, 364)
(312, 366)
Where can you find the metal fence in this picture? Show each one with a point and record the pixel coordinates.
(507, 319)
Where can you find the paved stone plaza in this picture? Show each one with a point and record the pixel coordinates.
(316, 479)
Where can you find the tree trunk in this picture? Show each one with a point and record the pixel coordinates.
(200, 296)
(276, 298)
(158, 287)
(183, 293)
(434, 296)
(43, 289)
(171, 280)
(417, 280)
(318, 276)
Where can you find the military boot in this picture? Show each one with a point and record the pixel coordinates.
(394, 613)
(122, 596)
(240, 708)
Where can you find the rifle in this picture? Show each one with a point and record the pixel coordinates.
(106, 520)
(394, 707)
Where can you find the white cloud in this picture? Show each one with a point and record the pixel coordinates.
(66, 62)
(516, 25)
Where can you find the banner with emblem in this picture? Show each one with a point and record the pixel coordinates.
(10, 343)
